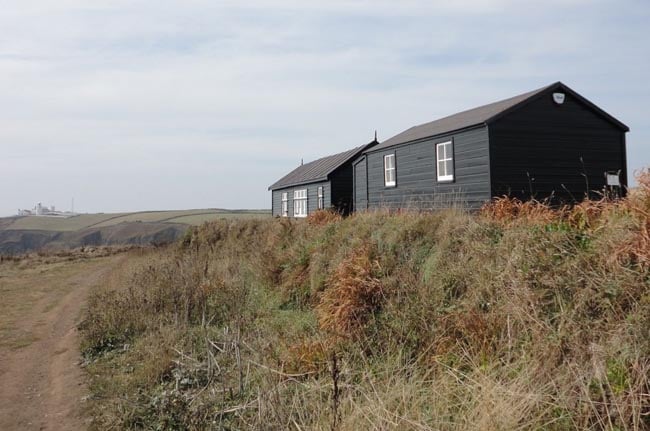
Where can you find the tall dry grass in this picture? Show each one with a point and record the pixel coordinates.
(352, 295)
(521, 317)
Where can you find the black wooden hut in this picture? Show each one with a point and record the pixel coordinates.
(325, 183)
(549, 143)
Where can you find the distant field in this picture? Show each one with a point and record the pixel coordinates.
(84, 221)
(198, 219)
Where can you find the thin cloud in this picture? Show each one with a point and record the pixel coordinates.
(204, 103)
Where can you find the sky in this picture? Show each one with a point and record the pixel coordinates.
(132, 105)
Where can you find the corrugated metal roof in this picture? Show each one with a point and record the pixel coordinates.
(318, 170)
(461, 120)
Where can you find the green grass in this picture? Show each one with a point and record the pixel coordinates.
(83, 221)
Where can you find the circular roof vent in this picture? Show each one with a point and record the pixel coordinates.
(558, 98)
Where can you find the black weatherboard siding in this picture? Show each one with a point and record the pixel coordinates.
(312, 197)
(535, 145)
(360, 184)
(416, 181)
(563, 151)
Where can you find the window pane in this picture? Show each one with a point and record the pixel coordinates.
(449, 167)
(441, 169)
(444, 151)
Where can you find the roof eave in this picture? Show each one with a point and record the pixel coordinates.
(554, 87)
(299, 183)
(354, 156)
(426, 138)
(325, 177)
(596, 109)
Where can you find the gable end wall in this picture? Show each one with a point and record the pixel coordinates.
(544, 149)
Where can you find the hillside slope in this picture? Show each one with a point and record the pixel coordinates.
(25, 234)
(521, 317)
(24, 241)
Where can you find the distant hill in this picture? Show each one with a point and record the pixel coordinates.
(30, 233)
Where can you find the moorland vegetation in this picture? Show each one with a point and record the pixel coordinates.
(522, 316)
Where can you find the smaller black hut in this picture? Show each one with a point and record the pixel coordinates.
(325, 183)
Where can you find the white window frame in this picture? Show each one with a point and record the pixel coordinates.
(300, 203)
(285, 204)
(321, 198)
(390, 181)
(445, 154)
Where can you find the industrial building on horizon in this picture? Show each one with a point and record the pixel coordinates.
(41, 210)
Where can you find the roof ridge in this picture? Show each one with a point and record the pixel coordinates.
(527, 94)
(463, 119)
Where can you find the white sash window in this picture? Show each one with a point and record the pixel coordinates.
(445, 158)
(300, 203)
(389, 170)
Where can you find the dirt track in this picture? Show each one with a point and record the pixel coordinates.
(42, 384)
